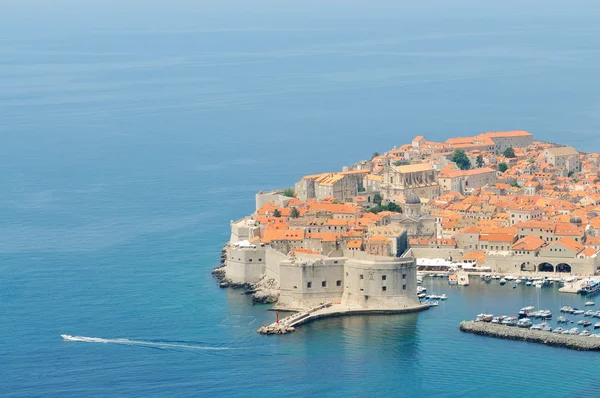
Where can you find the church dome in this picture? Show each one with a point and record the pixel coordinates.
(412, 199)
(575, 220)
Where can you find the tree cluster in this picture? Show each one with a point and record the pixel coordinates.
(461, 159)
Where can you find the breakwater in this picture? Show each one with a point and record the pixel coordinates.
(573, 342)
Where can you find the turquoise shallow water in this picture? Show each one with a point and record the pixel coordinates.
(130, 136)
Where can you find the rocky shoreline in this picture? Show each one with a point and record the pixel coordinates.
(573, 342)
(265, 291)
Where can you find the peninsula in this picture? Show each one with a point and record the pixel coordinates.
(351, 241)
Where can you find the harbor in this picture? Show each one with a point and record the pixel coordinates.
(569, 284)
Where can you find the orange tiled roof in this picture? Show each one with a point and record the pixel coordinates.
(529, 243)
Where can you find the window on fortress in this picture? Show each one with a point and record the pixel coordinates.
(324, 284)
(260, 259)
(383, 277)
(361, 276)
(338, 283)
(383, 288)
(250, 260)
(403, 276)
(309, 285)
(403, 287)
(295, 287)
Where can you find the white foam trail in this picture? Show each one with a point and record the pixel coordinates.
(144, 343)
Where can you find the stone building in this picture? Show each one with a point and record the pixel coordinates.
(463, 180)
(357, 281)
(565, 157)
(413, 220)
(419, 179)
(341, 186)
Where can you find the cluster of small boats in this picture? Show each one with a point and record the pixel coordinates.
(537, 282)
(422, 294)
(526, 314)
(531, 312)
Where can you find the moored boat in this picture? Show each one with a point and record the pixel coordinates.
(589, 287)
(525, 311)
(524, 323)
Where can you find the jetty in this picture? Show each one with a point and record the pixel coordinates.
(328, 310)
(573, 342)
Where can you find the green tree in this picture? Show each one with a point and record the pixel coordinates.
(515, 184)
(509, 153)
(289, 192)
(571, 173)
(375, 154)
(377, 199)
(503, 167)
(389, 207)
(479, 161)
(361, 188)
(294, 213)
(461, 159)
(276, 213)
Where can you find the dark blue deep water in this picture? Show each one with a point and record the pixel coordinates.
(131, 134)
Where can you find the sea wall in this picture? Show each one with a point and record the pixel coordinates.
(573, 342)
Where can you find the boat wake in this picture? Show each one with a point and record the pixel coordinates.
(143, 343)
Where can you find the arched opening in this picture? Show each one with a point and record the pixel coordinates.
(545, 267)
(562, 267)
(523, 267)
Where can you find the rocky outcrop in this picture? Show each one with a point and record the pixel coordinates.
(573, 342)
(275, 329)
(266, 291)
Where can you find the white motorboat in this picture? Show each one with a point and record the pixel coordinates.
(66, 336)
(518, 281)
(433, 303)
(524, 323)
(589, 303)
(443, 297)
(528, 283)
(523, 312)
(502, 281)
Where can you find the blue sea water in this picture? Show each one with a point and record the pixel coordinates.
(131, 134)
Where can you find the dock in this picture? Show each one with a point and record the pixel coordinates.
(327, 310)
(573, 342)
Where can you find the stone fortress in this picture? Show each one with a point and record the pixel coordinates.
(354, 280)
